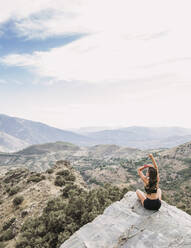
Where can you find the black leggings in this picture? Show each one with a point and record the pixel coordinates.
(152, 204)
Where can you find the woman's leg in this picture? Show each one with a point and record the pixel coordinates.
(140, 195)
(160, 194)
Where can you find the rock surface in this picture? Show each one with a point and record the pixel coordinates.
(126, 224)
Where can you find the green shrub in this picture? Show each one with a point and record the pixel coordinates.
(35, 178)
(187, 160)
(71, 177)
(7, 235)
(9, 223)
(66, 174)
(23, 243)
(63, 173)
(18, 200)
(61, 218)
(71, 190)
(59, 181)
(14, 190)
(7, 188)
(24, 213)
(49, 171)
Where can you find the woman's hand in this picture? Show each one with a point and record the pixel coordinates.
(151, 156)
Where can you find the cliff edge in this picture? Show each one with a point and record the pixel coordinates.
(126, 224)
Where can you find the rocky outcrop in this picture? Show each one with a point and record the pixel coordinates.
(126, 224)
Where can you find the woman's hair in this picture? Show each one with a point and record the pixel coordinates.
(152, 178)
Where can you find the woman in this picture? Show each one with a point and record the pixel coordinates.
(152, 199)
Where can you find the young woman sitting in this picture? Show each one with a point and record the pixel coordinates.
(152, 199)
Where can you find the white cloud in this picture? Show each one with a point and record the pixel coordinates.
(99, 58)
(2, 81)
(128, 40)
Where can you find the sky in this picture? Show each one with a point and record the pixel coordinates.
(78, 63)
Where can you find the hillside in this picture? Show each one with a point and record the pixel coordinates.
(45, 209)
(30, 132)
(42, 157)
(113, 164)
(34, 190)
(9, 143)
(126, 224)
(32, 173)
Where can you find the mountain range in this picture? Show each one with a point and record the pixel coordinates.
(17, 133)
(142, 137)
(25, 132)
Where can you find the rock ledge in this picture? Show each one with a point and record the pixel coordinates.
(126, 224)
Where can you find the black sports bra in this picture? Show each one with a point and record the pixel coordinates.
(150, 190)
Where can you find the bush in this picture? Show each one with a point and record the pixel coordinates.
(71, 177)
(71, 190)
(67, 175)
(9, 223)
(59, 181)
(14, 191)
(7, 235)
(61, 218)
(63, 173)
(49, 171)
(35, 178)
(187, 160)
(24, 213)
(18, 200)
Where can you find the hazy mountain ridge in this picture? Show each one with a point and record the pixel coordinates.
(32, 132)
(9, 143)
(24, 133)
(143, 137)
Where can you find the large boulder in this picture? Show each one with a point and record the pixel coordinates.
(126, 224)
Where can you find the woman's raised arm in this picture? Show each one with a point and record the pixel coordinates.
(142, 176)
(155, 165)
(154, 162)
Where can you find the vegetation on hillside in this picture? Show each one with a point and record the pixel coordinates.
(66, 214)
(74, 206)
(77, 205)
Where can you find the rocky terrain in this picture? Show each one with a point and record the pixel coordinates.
(30, 178)
(126, 224)
(24, 194)
(45, 209)
(42, 157)
(112, 164)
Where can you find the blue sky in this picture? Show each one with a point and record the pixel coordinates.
(96, 63)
